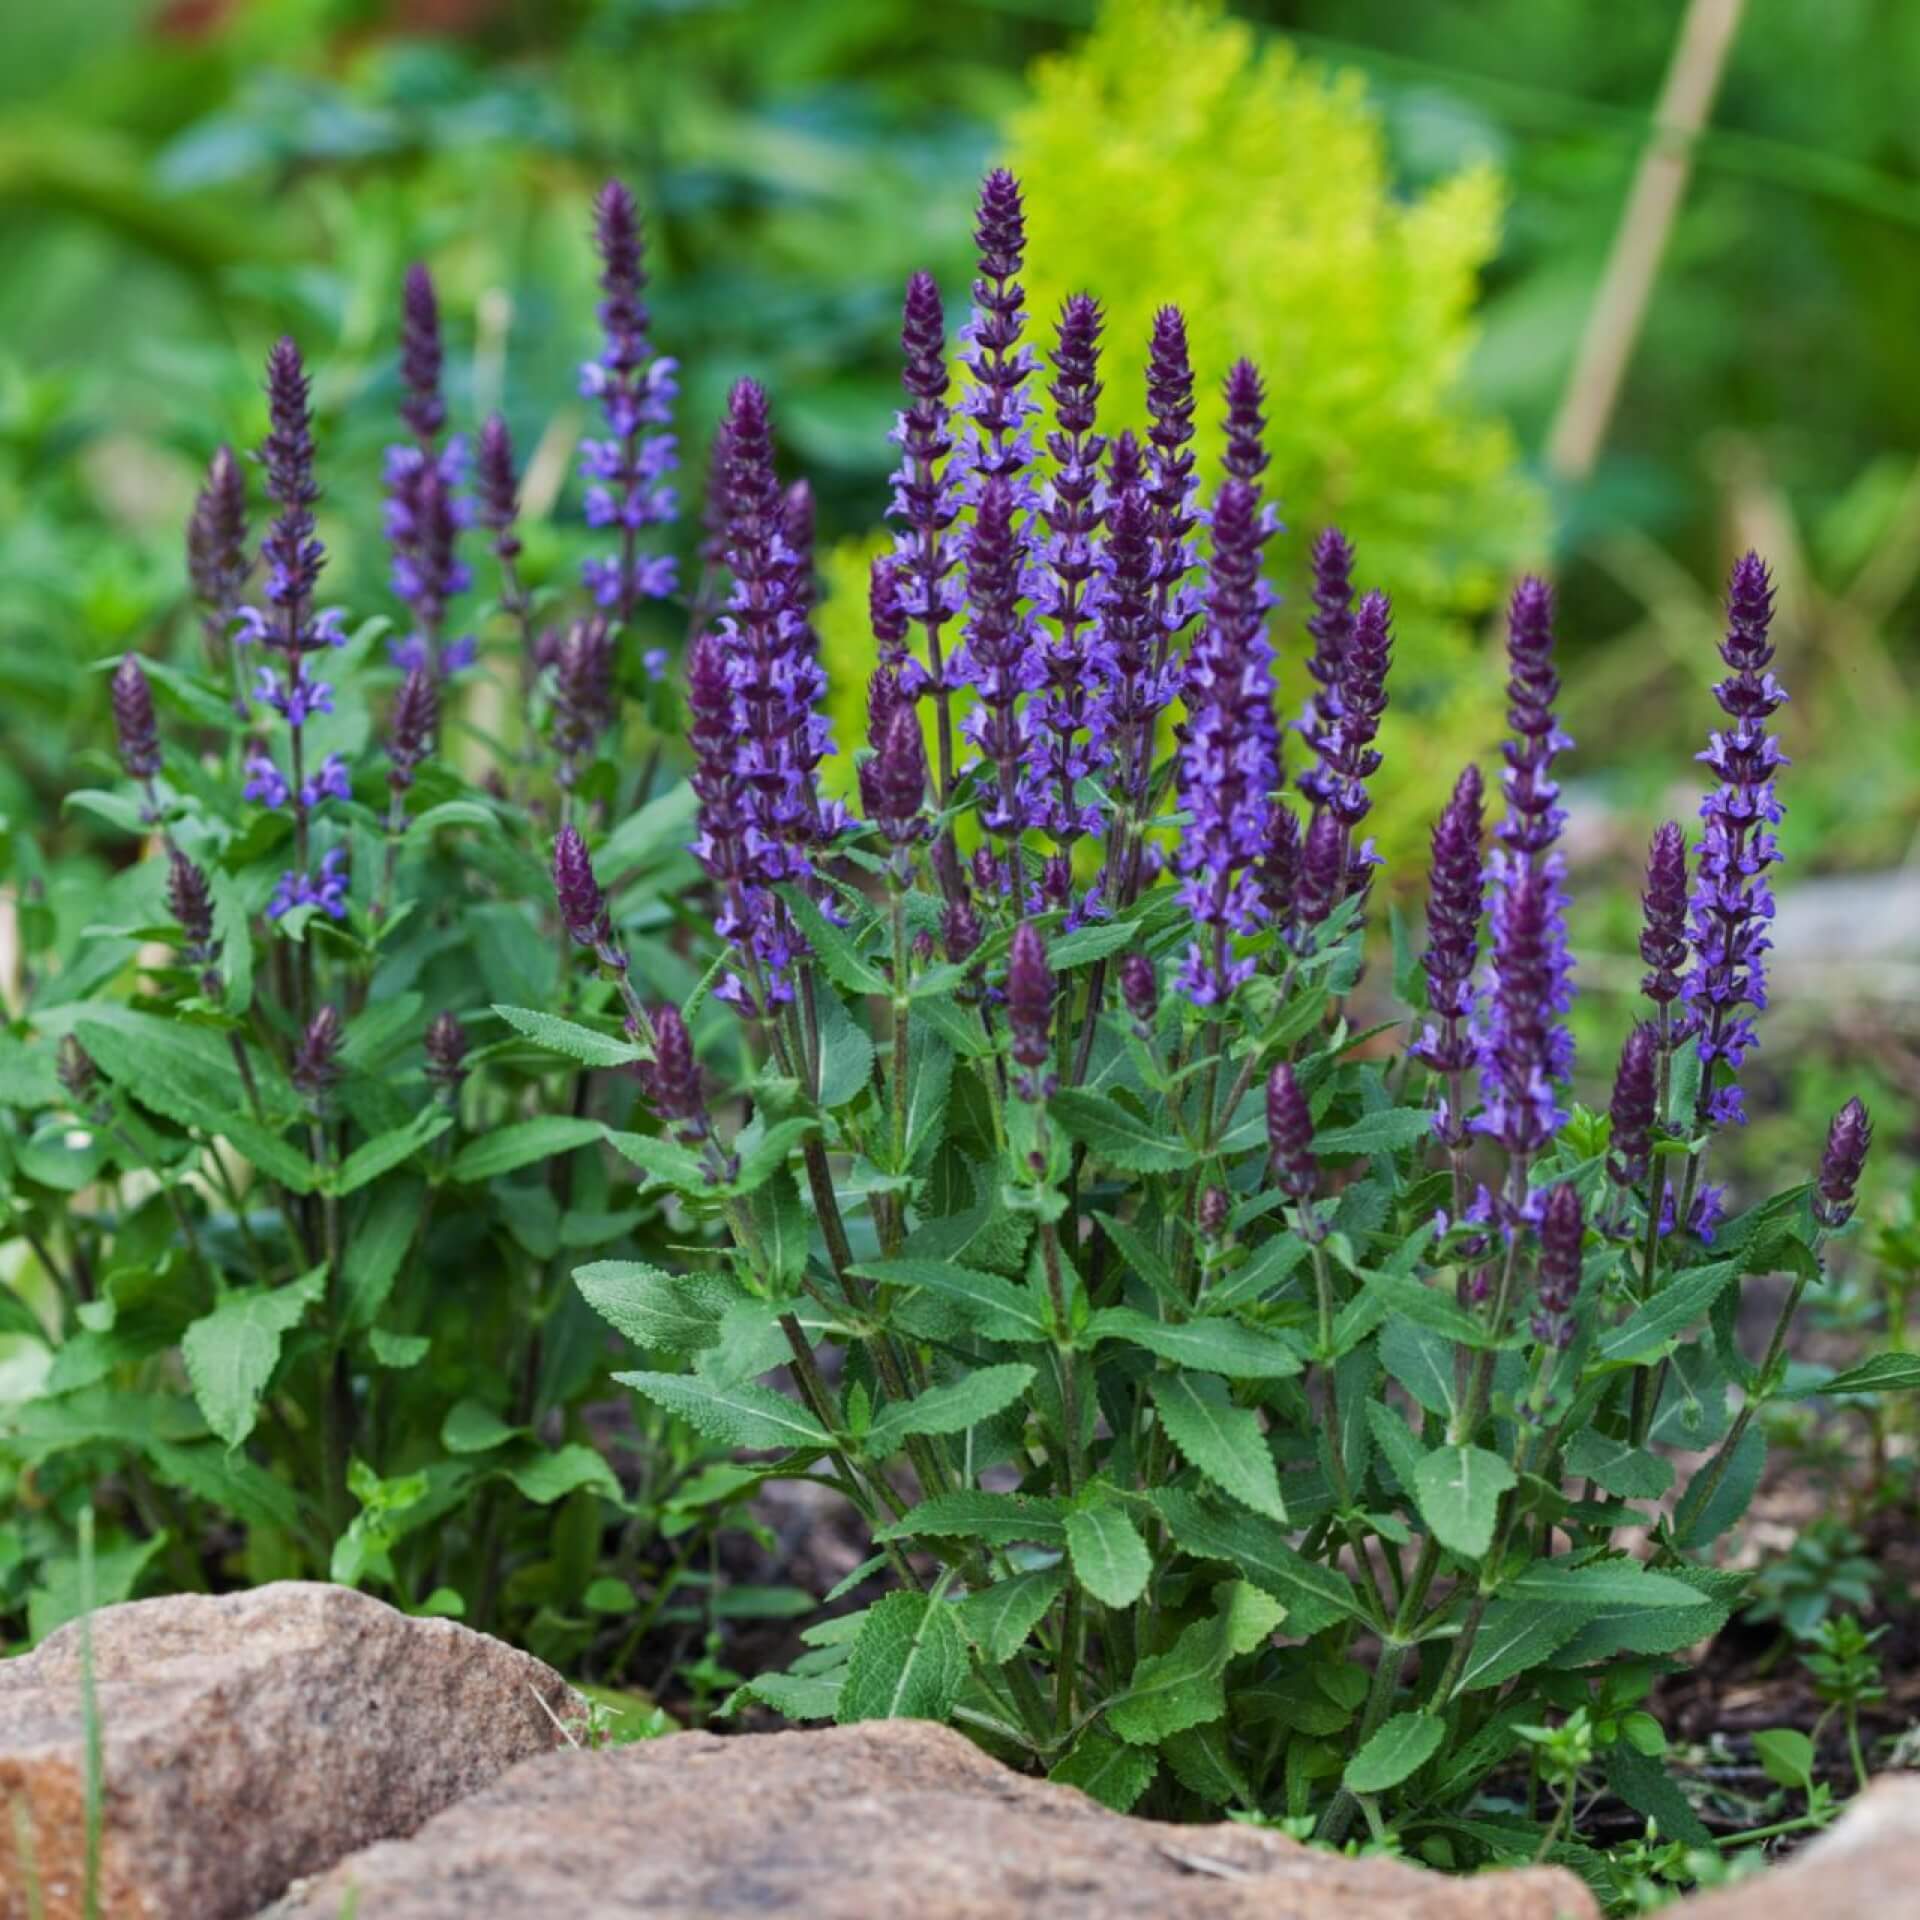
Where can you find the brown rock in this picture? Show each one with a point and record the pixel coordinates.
(1867, 1867)
(889, 1817)
(249, 1739)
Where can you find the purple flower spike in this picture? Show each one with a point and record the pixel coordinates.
(583, 907)
(292, 552)
(1534, 817)
(926, 490)
(1030, 1008)
(410, 734)
(316, 1059)
(1352, 758)
(960, 931)
(998, 402)
(497, 488)
(1136, 686)
(898, 788)
(671, 1080)
(1522, 1043)
(1456, 894)
(1331, 626)
(887, 614)
(1171, 489)
(1561, 1232)
(420, 356)
(1246, 455)
(1140, 989)
(583, 697)
(1290, 1135)
(994, 658)
(1841, 1165)
(1635, 1101)
(190, 901)
(1663, 935)
(626, 473)
(1323, 871)
(446, 1051)
(1732, 899)
(217, 562)
(133, 720)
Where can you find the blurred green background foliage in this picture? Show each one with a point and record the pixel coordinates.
(1405, 210)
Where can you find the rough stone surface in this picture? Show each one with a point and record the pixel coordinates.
(248, 1739)
(1867, 1867)
(891, 1817)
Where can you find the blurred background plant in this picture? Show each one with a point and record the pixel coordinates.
(1406, 212)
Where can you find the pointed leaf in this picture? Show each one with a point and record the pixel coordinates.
(908, 1662)
(1109, 1558)
(1458, 1490)
(1219, 1440)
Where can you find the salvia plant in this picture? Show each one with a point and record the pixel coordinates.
(1249, 1388)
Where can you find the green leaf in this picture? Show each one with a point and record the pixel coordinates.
(908, 1662)
(1407, 1298)
(552, 1476)
(1219, 1440)
(1107, 1770)
(999, 1619)
(1115, 1136)
(1202, 1761)
(507, 1149)
(996, 1308)
(1422, 1361)
(649, 837)
(231, 1353)
(1458, 1492)
(766, 1156)
(1686, 1297)
(1619, 1466)
(846, 1053)
(1618, 1582)
(795, 1696)
(1702, 1517)
(228, 1480)
(1000, 1519)
(665, 1159)
(678, 1314)
(1397, 1441)
(739, 1415)
(586, 1044)
(1646, 1786)
(1315, 1596)
(1184, 1687)
(397, 1351)
(833, 946)
(367, 1162)
(376, 1247)
(1142, 1257)
(950, 1409)
(1391, 1131)
(1884, 1373)
(1086, 944)
(1109, 1558)
(1787, 1755)
(1516, 1636)
(1208, 1344)
(1395, 1753)
(472, 1428)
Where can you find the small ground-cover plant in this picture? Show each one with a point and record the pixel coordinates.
(292, 1224)
(1251, 1411)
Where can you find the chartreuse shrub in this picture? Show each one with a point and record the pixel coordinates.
(1173, 156)
(1249, 1408)
(290, 1210)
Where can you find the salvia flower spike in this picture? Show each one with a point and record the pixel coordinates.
(1290, 1135)
(1635, 1105)
(446, 1053)
(1841, 1164)
(583, 907)
(316, 1059)
(1456, 895)
(1030, 989)
(1561, 1231)
(1663, 930)
(137, 730)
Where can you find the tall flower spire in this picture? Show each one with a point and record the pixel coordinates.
(1456, 894)
(1172, 483)
(1732, 898)
(1331, 626)
(626, 473)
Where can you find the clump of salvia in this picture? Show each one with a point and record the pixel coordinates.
(1245, 1418)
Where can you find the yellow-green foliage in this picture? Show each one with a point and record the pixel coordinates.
(1176, 156)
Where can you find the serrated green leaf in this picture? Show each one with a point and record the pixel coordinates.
(1109, 1558)
(1646, 1786)
(1222, 1442)
(1701, 1516)
(1458, 1492)
(1114, 1135)
(833, 946)
(737, 1415)
(368, 1161)
(1422, 1361)
(1000, 1519)
(1185, 1686)
(1107, 1770)
(1390, 1131)
(1315, 1595)
(552, 1476)
(1396, 1440)
(1210, 1345)
(1202, 1761)
(507, 1149)
(1601, 1583)
(996, 1308)
(1884, 1373)
(846, 1053)
(588, 1045)
(1395, 1753)
(231, 1353)
(999, 1619)
(1686, 1297)
(949, 1409)
(760, 1161)
(909, 1662)
(665, 1159)
(1619, 1466)
(1516, 1636)
(676, 1313)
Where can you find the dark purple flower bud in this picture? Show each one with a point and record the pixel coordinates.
(926, 485)
(1290, 1135)
(583, 700)
(1132, 640)
(1840, 1165)
(420, 355)
(497, 487)
(1351, 757)
(190, 901)
(884, 700)
(1732, 899)
(1029, 999)
(998, 404)
(583, 907)
(1635, 1104)
(1456, 892)
(446, 1050)
(316, 1059)
(996, 654)
(1246, 455)
(671, 1080)
(133, 721)
(1278, 869)
(1561, 1232)
(1663, 935)
(1126, 463)
(217, 562)
(74, 1068)
(1170, 495)
(1323, 871)
(960, 931)
(292, 553)
(410, 734)
(1331, 626)
(899, 784)
(1140, 989)
(886, 611)
(988, 878)
(1534, 817)
(1211, 1215)
(1524, 1050)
